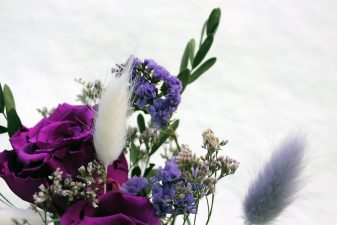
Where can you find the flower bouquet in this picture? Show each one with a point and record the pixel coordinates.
(97, 162)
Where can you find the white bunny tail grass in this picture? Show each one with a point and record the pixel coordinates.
(277, 184)
(18, 216)
(111, 120)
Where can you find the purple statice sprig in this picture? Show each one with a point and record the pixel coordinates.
(178, 187)
(171, 192)
(204, 172)
(136, 186)
(155, 91)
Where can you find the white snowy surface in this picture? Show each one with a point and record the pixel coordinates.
(276, 74)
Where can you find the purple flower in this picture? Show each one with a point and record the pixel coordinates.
(156, 91)
(172, 193)
(62, 140)
(135, 185)
(114, 208)
(170, 172)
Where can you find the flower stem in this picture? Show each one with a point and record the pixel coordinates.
(196, 212)
(211, 209)
(185, 219)
(176, 141)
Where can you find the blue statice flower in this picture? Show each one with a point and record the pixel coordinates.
(145, 92)
(171, 193)
(170, 172)
(135, 185)
(156, 91)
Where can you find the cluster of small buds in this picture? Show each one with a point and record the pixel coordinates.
(42, 196)
(132, 133)
(205, 171)
(227, 166)
(211, 142)
(88, 184)
(197, 171)
(94, 173)
(148, 135)
(118, 69)
(91, 91)
(45, 111)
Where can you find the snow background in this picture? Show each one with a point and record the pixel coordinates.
(276, 74)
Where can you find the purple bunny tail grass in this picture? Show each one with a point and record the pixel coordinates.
(277, 183)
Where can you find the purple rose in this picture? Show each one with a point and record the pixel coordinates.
(62, 140)
(115, 208)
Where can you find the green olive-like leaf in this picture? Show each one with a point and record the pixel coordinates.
(3, 129)
(184, 77)
(134, 153)
(185, 57)
(174, 126)
(203, 50)
(2, 100)
(164, 135)
(203, 30)
(141, 123)
(202, 69)
(191, 48)
(148, 170)
(136, 172)
(213, 21)
(13, 122)
(8, 98)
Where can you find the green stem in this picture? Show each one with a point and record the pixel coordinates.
(196, 212)
(189, 221)
(6, 201)
(5, 115)
(176, 141)
(174, 220)
(207, 204)
(186, 218)
(147, 163)
(210, 211)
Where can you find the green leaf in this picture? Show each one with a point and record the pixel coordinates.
(202, 69)
(202, 33)
(191, 48)
(136, 172)
(213, 21)
(175, 125)
(3, 129)
(134, 153)
(2, 101)
(184, 59)
(13, 122)
(152, 173)
(141, 123)
(8, 98)
(148, 170)
(184, 77)
(204, 48)
(163, 136)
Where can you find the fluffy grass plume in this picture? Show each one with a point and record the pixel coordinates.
(277, 183)
(111, 120)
